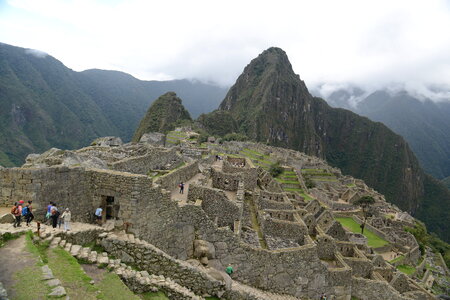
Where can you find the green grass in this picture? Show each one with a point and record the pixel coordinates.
(294, 190)
(67, 269)
(306, 196)
(373, 240)
(351, 185)
(112, 287)
(408, 270)
(38, 249)
(29, 279)
(29, 284)
(7, 236)
(287, 181)
(397, 259)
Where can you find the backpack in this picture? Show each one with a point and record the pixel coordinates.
(14, 210)
(25, 211)
(57, 213)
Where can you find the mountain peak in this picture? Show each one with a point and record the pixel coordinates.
(271, 60)
(163, 115)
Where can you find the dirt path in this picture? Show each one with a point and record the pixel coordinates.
(14, 257)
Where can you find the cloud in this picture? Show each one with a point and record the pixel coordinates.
(37, 53)
(366, 43)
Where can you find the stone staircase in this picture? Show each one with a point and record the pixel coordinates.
(252, 293)
(137, 281)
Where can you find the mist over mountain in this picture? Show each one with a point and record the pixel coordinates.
(425, 124)
(44, 104)
(270, 103)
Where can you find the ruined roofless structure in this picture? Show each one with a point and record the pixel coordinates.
(280, 236)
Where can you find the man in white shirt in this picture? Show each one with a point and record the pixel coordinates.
(98, 215)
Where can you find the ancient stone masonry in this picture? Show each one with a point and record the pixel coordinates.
(232, 213)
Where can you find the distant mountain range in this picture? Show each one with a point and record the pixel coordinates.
(423, 123)
(44, 104)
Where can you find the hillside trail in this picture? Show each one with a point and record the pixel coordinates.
(14, 256)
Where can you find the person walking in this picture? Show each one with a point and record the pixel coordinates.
(229, 270)
(66, 216)
(29, 214)
(98, 215)
(49, 210)
(16, 211)
(181, 185)
(54, 215)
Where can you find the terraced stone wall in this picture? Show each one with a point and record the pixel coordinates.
(155, 159)
(182, 174)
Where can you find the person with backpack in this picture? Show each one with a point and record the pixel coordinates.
(17, 212)
(54, 215)
(49, 209)
(29, 217)
(181, 186)
(229, 270)
(66, 216)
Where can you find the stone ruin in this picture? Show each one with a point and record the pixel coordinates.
(233, 212)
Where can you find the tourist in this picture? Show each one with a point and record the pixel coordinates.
(49, 209)
(54, 215)
(229, 270)
(181, 185)
(66, 216)
(98, 215)
(30, 216)
(17, 213)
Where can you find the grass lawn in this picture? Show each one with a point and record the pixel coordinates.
(397, 259)
(113, 288)
(29, 279)
(287, 181)
(408, 270)
(373, 240)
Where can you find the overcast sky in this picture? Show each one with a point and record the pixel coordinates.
(370, 43)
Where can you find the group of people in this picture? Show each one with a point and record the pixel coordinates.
(56, 218)
(19, 211)
(52, 215)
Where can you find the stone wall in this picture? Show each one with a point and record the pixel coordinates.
(82, 190)
(155, 261)
(225, 181)
(155, 159)
(183, 174)
(367, 289)
(294, 231)
(216, 205)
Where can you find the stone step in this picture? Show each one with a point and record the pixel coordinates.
(102, 259)
(93, 257)
(75, 250)
(63, 243)
(54, 243)
(84, 253)
(67, 247)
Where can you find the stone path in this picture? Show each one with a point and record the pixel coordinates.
(10, 265)
(182, 198)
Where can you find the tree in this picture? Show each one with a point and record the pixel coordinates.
(364, 202)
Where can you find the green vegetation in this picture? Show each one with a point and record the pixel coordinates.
(234, 137)
(75, 281)
(29, 284)
(164, 115)
(112, 287)
(365, 203)
(7, 236)
(275, 170)
(398, 259)
(39, 249)
(408, 270)
(431, 240)
(373, 240)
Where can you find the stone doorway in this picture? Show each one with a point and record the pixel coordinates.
(110, 208)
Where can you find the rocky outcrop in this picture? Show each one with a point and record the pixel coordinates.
(162, 116)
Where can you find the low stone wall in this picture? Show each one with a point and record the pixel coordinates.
(225, 181)
(367, 289)
(155, 261)
(284, 229)
(155, 159)
(183, 174)
(361, 267)
(216, 205)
